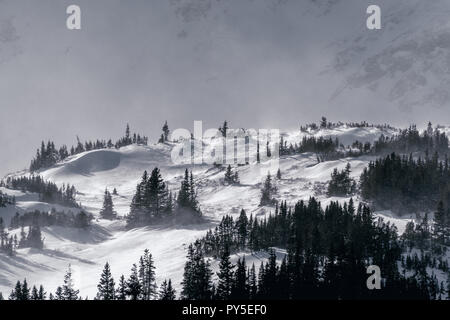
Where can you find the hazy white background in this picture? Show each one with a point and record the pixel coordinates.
(256, 63)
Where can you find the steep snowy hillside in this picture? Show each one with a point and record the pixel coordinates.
(92, 172)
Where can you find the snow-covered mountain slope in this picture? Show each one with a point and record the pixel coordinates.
(91, 172)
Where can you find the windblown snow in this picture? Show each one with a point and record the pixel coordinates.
(108, 241)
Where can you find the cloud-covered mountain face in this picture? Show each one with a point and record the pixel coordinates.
(256, 63)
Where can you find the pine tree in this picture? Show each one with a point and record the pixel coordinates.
(267, 191)
(155, 194)
(242, 226)
(134, 288)
(225, 276)
(229, 175)
(68, 290)
(196, 284)
(34, 294)
(25, 291)
(121, 292)
(252, 282)
(107, 211)
(147, 276)
(240, 290)
(106, 285)
(42, 294)
(166, 132)
(34, 237)
(279, 174)
(441, 224)
(167, 292)
(16, 294)
(187, 196)
(59, 293)
(224, 129)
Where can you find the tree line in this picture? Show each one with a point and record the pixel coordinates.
(6, 199)
(154, 202)
(48, 191)
(80, 219)
(406, 141)
(338, 243)
(48, 155)
(406, 184)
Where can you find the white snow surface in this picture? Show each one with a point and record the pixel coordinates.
(91, 172)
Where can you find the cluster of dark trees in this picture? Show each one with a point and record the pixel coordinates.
(323, 145)
(165, 133)
(268, 191)
(328, 252)
(32, 239)
(341, 183)
(410, 141)
(141, 285)
(8, 243)
(130, 138)
(48, 191)
(324, 123)
(22, 292)
(231, 177)
(48, 155)
(154, 202)
(403, 183)
(80, 219)
(407, 141)
(107, 211)
(6, 200)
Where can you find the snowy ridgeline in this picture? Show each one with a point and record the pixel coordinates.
(108, 241)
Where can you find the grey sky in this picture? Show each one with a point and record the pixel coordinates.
(256, 63)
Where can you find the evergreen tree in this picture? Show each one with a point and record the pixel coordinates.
(442, 224)
(252, 282)
(68, 288)
(134, 288)
(16, 294)
(279, 174)
(267, 192)
(230, 177)
(106, 285)
(166, 132)
(242, 226)
(224, 129)
(34, 294)
(121, 292)
(59, 293)
(196, 284)
(187, 196)
(25, 291)
(167, 292)
(240, 289)
(225, 276)
(107, 211)
(147, 276)
(42, 294)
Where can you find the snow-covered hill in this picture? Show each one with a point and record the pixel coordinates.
(91, 172)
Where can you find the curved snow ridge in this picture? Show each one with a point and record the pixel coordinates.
(94, 161)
